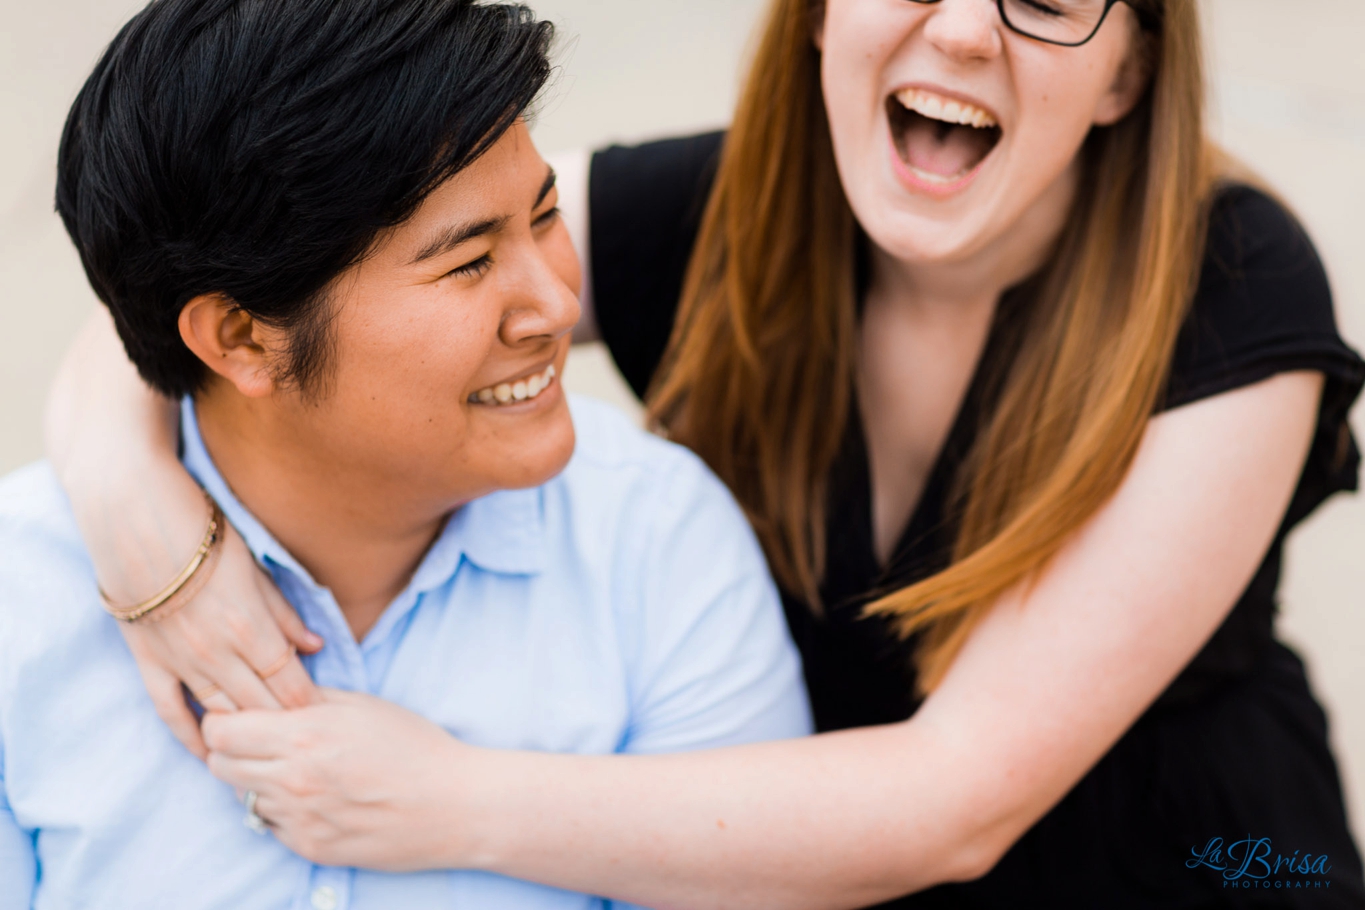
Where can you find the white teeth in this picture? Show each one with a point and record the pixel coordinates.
(948, 110)
(520, 390)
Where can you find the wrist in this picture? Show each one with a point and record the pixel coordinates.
(475, 818)
(141, 524)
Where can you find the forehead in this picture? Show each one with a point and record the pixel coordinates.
(503, 183)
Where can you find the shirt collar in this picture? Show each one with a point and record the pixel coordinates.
(503, 532)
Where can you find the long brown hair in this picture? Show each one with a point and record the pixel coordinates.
(759, 375)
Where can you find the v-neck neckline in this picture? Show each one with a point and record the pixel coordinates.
(930, 512)
(924, 544)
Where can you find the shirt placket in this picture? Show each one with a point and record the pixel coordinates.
(339, 665)
(327, 888)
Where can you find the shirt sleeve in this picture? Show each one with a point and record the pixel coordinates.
(18, 862)
(645, 207)
(1264, 306)
(713, 662)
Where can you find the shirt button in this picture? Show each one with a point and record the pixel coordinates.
(324, 898)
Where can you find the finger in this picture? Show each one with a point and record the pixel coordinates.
(292, 686)
(222, 630)
(208, 693)
(229, 686)
(303, 638)
(270, 653)
(270, 810)
(242, 683)
(260, 735)
(260, 775)
(169, 701)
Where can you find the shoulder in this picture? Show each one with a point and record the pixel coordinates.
(668, 168)
(47, 583)
(612, 449)
(1256, 252)
(1263, 303)
(35, 520)
(645, 497)
(699, 619)
(645, 206)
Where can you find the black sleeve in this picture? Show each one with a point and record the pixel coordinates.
(1264, 306)
(645, 207)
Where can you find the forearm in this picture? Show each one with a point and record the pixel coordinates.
(1048, 681)
(839, 820)
(112, 442)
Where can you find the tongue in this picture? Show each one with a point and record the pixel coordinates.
(943, 148)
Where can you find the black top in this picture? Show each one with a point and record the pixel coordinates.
(1237, 745)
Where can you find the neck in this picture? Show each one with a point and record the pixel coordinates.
(359, 535)
(962, 288)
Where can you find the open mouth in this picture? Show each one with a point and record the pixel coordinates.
(940, 140)
(505, 393)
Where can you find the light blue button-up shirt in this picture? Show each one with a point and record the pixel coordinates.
(622, 607)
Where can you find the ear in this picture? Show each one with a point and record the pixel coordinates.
(230, 343)
(1129, 83)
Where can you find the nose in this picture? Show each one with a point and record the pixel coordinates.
(965, 30)
(543, 300)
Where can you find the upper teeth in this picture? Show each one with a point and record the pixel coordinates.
(521, 390)
(936, 107)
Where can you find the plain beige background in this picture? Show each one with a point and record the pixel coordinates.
(1287, 97)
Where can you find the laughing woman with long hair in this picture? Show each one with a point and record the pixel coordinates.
(1022, 388)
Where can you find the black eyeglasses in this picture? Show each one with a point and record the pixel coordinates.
(1069, 23)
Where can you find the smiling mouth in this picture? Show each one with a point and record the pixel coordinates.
(941, 140)
(505, 393)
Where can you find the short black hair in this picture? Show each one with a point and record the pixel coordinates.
(257, 148)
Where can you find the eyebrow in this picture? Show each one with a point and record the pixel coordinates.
(549, 184)
(454, 235)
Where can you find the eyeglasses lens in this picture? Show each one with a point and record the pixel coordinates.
(1058, 21)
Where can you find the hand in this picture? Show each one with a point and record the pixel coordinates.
(352, 781)
(238, 623)
(113, 441)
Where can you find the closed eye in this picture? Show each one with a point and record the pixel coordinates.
(548, 217)
(1046, 9)
(475, 268)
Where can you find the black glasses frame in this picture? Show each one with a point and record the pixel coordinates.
(1005, 18)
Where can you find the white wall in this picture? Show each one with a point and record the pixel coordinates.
(1288, 95)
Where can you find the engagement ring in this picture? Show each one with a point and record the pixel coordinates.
(252, 820)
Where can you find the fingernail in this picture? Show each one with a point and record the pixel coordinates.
(314, 642)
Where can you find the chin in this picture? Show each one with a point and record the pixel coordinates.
(918, 239)
(540, 457)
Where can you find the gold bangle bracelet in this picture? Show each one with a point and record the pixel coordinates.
(184, 586)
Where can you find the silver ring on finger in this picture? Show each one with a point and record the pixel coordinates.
(253, 820)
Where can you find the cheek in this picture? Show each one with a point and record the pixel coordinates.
(1056, 112)
(563, 259)
(1059, 90)
(403, 362)
(857, 47)
(855, 54)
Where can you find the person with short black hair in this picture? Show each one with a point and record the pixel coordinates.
(323, 224)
